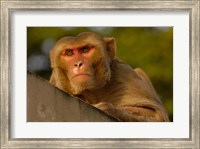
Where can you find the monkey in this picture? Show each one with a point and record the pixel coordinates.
(86, 66)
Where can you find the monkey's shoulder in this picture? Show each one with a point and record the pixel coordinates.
(124, 71)
(134, 83)
(132, 78)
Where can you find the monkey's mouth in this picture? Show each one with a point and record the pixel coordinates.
(81, 75)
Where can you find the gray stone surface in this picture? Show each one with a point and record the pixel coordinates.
(46, 103)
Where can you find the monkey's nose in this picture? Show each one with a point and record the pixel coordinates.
(78, 64)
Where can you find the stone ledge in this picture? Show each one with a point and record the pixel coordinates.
(46, 103)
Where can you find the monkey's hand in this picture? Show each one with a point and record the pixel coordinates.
(108, 108)
(104, 106)
(129, 113)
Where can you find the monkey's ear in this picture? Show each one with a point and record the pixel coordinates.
(111, 46)
(52, 58)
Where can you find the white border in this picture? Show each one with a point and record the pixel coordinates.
(177, 129)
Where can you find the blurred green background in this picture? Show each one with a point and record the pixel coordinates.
(150, 48)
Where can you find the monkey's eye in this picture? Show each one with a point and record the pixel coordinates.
(85, 49)
(67, 52)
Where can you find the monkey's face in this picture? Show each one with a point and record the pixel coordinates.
(84, 60)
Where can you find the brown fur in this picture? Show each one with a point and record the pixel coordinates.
(119, 90)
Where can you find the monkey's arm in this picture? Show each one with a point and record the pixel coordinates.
(139, 101)
(134, 113)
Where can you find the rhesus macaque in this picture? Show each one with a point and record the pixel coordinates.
(86, 66)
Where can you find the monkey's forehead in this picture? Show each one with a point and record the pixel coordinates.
(88, 34)
(80, 36)
(88, 37)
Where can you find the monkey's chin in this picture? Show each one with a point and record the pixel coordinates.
(80, 86)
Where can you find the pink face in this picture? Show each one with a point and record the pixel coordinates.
(85, 61)
(77, 60)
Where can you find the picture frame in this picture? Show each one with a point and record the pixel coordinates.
(9, 7)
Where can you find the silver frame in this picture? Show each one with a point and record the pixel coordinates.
(7, 7)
